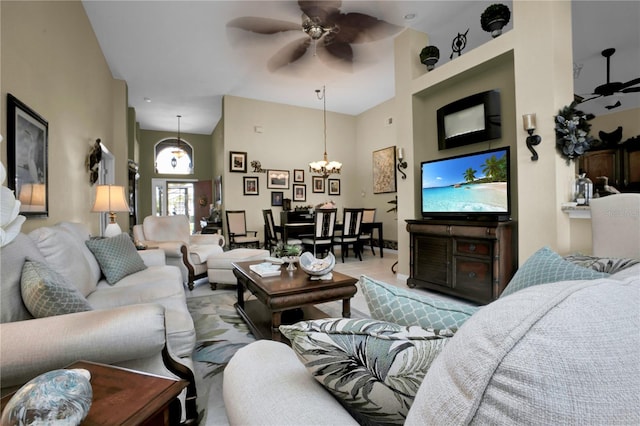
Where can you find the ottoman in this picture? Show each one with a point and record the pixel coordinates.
(219, 269)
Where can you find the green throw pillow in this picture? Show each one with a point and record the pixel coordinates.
(404, 307)
(374, 368)
(117, 257)
(46, 293)
(546, 266)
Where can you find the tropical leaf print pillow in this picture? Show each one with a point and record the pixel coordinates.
(373, 367)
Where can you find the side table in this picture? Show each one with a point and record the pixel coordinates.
(128, 397)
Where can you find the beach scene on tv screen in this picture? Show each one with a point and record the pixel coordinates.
(471, 184)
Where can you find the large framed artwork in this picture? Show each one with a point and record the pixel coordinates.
(278, 179)
(27, 134)
(384, 170)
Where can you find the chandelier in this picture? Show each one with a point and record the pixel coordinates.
(324, 167)
(177, 151)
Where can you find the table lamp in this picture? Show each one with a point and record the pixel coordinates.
(111, 199)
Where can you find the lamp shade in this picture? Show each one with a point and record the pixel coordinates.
(110, 198)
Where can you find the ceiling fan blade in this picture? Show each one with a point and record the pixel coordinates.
(631, 89)
(616, 105)
(289, 53)
(583, 99)
(631, 83)
(320, 9)
(336, 55)
(263, 25)
(361, 28)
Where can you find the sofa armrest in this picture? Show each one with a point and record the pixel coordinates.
(207, 239)
(153, 257)
(32, 347)
(171, 248)
(280, 389)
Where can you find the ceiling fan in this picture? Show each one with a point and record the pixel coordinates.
(611, 88)
(330, 31)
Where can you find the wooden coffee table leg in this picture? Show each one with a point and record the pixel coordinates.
(276, 320)
(346, 308)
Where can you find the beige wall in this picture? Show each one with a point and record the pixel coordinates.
(52, 62)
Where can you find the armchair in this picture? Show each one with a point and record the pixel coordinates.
(188, 252)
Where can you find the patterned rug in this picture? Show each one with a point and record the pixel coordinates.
(220, 332)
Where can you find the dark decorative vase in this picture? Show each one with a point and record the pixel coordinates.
(429, 56)
(494, 18)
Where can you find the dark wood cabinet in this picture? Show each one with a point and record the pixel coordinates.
(470, 260)
(621, 164)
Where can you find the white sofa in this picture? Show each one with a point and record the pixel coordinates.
(182, 249)
(140, 322)
(559, 353)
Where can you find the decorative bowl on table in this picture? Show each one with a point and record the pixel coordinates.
(291, 260)
(317, 267)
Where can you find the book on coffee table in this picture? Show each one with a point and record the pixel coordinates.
(266, 269)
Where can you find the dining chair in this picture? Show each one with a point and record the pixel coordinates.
(350, 235)
(324, 224)
(237, 229)
(366, 233)
(271, 235)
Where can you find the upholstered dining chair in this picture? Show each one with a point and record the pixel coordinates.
(271, 236)
(350, 235)
(237, 229)
(366, 233)
(324, 224)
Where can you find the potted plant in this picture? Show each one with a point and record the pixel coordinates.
(494, 18)
(429, 56)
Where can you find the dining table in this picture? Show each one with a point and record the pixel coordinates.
(296, 229)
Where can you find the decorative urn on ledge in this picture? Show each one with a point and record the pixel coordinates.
(429, 56)
(494, 18)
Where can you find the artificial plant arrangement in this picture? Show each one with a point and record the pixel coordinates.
(494, 18)
(284, 250)
(572, 132)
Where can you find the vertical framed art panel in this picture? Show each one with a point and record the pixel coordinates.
(238, 162)
(250, 184)
(28, 137)
(384, 170)
(334, 186)
(299, 192)
(317, 184)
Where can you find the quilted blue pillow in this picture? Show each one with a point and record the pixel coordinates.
(117, 257)
(404, 307)
(546, 266)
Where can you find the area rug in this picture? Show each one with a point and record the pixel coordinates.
(220, 332)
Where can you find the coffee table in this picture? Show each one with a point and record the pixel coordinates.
(287, 298)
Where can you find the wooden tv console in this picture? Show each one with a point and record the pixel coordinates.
(473, 260)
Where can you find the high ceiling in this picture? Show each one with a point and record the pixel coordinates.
(180, 57)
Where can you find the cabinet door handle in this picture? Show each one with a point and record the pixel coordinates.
(472, 274)
(472, 247)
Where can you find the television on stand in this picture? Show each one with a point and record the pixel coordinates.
(474, 186)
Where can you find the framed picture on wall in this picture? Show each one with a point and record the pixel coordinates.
(298, 175)
(299, 192)
(317, 183)
(27, 140)
(276, 198)
(278, 179)
(238, 162)
(334, 186)
(250, 184)
(384, 170)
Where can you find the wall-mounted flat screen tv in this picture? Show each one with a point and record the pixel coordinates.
(473, 119)
(470, 186)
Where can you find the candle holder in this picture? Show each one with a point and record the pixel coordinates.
(529, 124)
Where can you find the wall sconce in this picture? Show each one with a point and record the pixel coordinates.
(401, 163)
(529, 124)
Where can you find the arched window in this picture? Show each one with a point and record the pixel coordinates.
(174, 157)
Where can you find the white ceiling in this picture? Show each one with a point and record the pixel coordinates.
(182, 56)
